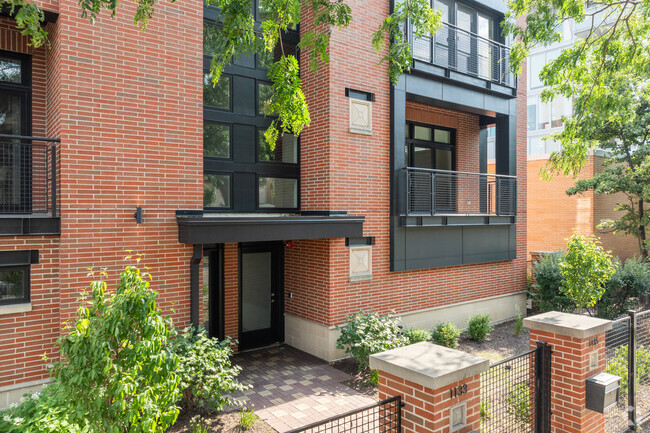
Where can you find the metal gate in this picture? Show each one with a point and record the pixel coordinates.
(516, 393)
(627, 351)
(382, 417)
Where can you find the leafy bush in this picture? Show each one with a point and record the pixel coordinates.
(478, 327)
(374, 377)
(247, 418)
(585, 267)
(417, 335)
(205, 370)
(518, 404)
(519, 324)
(363, 334)
(619, 363)
(198, 424)
(44, 412)
(115, 355)
(630, 282)
(446, 334)
(548, 280)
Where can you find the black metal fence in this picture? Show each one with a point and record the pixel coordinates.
(515, 393)
(627, 351)
(432, 192)
(466, 52)
(384, 417)
(616, 362)
(28, 175)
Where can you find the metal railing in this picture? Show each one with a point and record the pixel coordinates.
(384, 416)
(28, 171)
(466, 52)
(436, 192)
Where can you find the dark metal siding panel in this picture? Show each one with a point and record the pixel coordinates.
(433, 247)
(217, 230)
(486, 244)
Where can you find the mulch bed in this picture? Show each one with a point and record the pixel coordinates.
(500, 344)
(219, 422)
(360, 381)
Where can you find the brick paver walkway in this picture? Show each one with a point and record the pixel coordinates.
(292, 389)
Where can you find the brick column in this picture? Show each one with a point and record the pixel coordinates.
(578, 344)
(440, 387)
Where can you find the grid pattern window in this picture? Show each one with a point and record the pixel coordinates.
(242, 171)
(535, 64)
(547, 115)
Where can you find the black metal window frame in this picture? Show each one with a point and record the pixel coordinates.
(20, 260)
(24, 89)
(410, 142)
(230, 166)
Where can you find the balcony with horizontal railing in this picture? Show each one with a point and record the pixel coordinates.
(442, 192)
(28, 184)
(461, 51)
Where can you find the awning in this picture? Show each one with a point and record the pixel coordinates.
(202, 229)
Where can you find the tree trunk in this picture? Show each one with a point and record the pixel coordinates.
(642, 234)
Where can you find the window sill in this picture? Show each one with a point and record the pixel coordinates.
(15, 308)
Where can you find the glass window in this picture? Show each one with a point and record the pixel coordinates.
(217, 96)
(536, 146)
(544, 115)
(532, 117)
(442, 136)
(216, 140)
(265, 59)
(444, 159)
(275, 192)
(552, 146)
(264, 92)
(536, 65)
(216, 190)
(285, 150)
(210, 32)
(560, 106)
(422, 133)
(10, 70)
(14, 284)
(422, 157)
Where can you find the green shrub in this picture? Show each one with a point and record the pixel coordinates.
(519, 324)
(198, 424)
(115, 356)
(41, 412)
(585, 267)
(205, 370)
(374, 377)
(518, 404)
(618, 364)
(478, 327)
(247, 418)
(548, 280)
(446, 334)
(630, 281)
(417, 335)
(363, 334)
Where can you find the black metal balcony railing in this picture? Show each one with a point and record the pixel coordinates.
(439, 192)
(28, 175)
(466, 52)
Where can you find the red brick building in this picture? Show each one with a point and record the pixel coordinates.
(382, 204)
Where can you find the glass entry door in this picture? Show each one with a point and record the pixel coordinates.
(260, 295)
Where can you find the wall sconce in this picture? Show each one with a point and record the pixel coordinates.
(138, 215)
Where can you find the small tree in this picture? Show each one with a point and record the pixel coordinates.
(116, 365)
(585, 268)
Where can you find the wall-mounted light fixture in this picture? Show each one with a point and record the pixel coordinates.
(138, 215)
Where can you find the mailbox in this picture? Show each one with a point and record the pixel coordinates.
(602, 391)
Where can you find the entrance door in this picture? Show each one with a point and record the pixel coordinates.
(260, 272)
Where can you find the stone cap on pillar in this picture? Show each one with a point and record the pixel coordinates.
(428, 364)
(571, 325)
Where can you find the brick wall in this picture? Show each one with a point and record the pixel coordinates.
(555, 216)
(345, 171)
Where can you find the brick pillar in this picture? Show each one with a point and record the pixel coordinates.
(440, 387)
(578, 344)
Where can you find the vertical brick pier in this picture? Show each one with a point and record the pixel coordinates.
(440, 387)
(578, 344)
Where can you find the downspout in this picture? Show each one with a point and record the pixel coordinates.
(195, 262)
